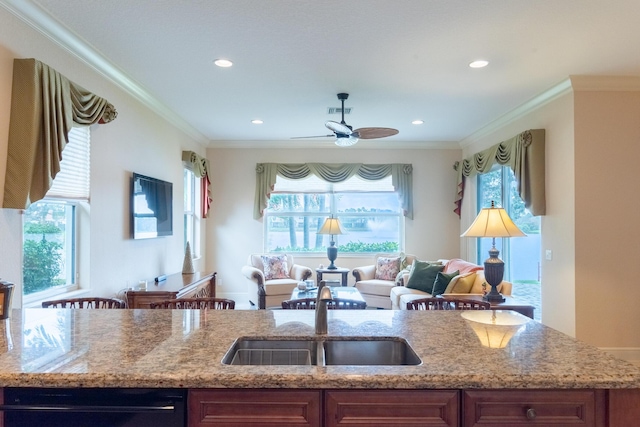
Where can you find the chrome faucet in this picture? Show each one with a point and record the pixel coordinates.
(324, 295)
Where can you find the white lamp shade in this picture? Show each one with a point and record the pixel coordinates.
(493, 222)
(332, 226)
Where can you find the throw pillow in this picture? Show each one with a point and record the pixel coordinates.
(423, 276)
(461, 284)
(275, 267)
(441, 282)
(387, 268)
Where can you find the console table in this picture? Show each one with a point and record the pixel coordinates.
(178, 285)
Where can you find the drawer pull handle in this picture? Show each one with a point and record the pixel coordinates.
(531, 414)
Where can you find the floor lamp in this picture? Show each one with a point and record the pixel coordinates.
(493, 222)
(332, 226)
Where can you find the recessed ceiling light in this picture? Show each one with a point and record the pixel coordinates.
(257, 122)
(224, 63)
(417, 122)
(479, 63)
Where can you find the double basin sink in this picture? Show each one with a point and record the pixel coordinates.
(322, 351)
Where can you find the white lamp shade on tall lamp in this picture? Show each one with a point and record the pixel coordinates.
(493, 222)
(332, 227)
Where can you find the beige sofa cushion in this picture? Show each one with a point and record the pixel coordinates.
(375, 287)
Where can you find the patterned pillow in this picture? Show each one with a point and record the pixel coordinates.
(275, 267)
(387, 268)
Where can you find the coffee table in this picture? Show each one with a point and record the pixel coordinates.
(342, 292)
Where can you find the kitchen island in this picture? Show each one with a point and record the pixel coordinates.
(184, 349)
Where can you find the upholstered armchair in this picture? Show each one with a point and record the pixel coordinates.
(272, 278)
(375, 281)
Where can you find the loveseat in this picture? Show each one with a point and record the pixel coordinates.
(272, 278)
(375, 281)
(469, 280)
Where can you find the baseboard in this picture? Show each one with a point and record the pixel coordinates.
(630, 354)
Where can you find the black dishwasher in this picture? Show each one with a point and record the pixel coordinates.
(105, 407)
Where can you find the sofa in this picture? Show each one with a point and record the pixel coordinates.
(272, 278)
(469, 280)
(375, 281)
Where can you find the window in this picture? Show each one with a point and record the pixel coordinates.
(50, 226)
(368, 210)
(521, 255)
(191, 212)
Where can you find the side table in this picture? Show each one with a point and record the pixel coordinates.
(343, 271)
(509, 304)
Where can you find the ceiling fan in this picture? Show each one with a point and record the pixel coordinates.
(346, 136)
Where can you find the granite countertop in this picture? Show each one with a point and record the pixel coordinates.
(184, 348)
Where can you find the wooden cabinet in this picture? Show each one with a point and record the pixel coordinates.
(324, 408)
(392, 407)
(254, 407)
(549, 408)
(178, 285)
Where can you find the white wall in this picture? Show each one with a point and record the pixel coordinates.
(233, 234)
(138, 140)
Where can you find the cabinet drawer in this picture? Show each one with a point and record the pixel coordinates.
(392, 407)
(552, 408)
(254, 407)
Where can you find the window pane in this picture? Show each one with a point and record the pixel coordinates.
(298, 203)
(48, 246)
(367, 202)
(372, 221)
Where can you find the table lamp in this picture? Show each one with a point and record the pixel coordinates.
(332, 226)
(493, 222)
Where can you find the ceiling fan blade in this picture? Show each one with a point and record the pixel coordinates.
(373, 133)
(316, 136)
(338, 127)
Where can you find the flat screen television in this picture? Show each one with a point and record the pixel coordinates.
(151, 207)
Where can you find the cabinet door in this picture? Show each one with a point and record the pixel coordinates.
(392, 407)
(549, 408)
(254, 408)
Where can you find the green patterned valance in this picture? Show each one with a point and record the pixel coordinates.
(524, 154)
(401, 179)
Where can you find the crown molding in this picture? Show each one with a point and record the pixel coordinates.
(43, 22)
(605, 83)
(533, 104)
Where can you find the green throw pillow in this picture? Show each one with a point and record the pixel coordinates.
(423, 276)
(442, 281)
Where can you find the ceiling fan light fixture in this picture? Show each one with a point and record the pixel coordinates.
(417, 122)
(346, 141)
(257, 121)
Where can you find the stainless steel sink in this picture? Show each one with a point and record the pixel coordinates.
(370, 352)
(321, 351)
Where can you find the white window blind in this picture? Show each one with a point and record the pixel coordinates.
(313, 184)
(72, 182)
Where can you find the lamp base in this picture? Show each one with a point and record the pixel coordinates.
(493, 273)
(332, 254)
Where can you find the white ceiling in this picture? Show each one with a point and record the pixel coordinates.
(399, 60)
